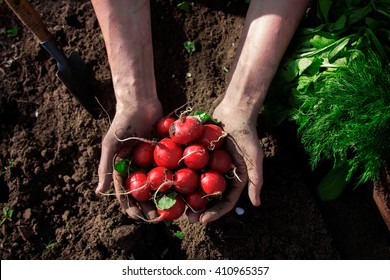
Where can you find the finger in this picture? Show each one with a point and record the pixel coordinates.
(126, 202)
(149, 210)
(254, 162)
(132, 208)
(105, 165)
(111, 147)
(238, 184)
(252, 154)
(192, 216)
(226, 205)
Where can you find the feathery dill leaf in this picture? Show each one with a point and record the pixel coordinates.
(346, 116)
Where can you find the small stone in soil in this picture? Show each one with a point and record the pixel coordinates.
(240, 211)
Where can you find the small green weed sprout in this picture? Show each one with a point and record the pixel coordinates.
(7, 215)
(190, 46)
(14, 31)
(184, 6)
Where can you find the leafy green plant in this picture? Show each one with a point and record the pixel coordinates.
(7, 215)
(184, 6)
(190, 46)
(346, 116)
(333, 82)
(50, 244)
(14, 31)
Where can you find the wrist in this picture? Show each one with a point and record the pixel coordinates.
(247, 111)
(131, 91)
(245, 93)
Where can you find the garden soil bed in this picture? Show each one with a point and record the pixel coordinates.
(50, 148)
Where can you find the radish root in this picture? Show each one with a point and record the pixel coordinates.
(199, 211)
(126, 192)
(176, 111)
(152, 142)
(191, 153)
(235, 175)
(104, 110)
(185, 112)
(212, 145)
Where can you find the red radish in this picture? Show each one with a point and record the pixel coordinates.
(173, 212)
(167, 153)
(220, 161)
(138, 187)
(195, 156)
(158, 176)
(143, 154)
(186, 180)
(186, 129)
(212, 183)
(196, 201)
(162, 126)
(212, 137)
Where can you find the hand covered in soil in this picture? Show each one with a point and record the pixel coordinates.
(243, 144)
(256, 62)
(137, 120)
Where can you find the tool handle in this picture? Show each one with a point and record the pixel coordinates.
(30, 17)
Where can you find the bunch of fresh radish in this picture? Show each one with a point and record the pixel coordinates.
(185, 166)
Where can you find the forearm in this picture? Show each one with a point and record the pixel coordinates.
(126, 29)
(268, 29)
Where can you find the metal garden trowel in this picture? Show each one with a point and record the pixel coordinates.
(72, 71)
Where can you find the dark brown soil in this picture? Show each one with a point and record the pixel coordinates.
(50, 150)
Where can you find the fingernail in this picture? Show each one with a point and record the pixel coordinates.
(98, 189)
(258, 201)
(205, 217)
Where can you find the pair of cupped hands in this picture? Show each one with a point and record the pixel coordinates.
(139, 119)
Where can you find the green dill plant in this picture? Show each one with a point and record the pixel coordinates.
(345, 116)
(333, 82)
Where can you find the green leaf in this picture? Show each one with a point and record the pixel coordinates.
(359, 13)
(7, 213)
(334, 183)
(179, 235)
(338, 25)
(13, 31)
(314, 67)
(323, 9)
(166, 201)
(338, 50)
(290, 70)
(309, 66)
(184, 6)
(304, 82)
(189, 46)
(304, 63)
(204, 117)
(377, 44)
(122, 166)
(321, 41)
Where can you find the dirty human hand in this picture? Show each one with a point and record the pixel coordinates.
(269, 27)
(136, 120)
(244, 147)
(126, 28)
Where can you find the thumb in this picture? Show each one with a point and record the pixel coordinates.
(105, 167)
(254, 161)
